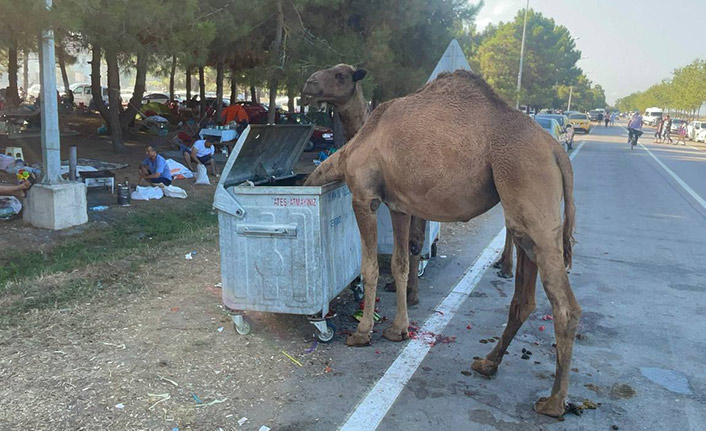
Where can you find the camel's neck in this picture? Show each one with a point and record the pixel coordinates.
(353, 113)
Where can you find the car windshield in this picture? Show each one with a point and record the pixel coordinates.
(546, 123)
(578, 116)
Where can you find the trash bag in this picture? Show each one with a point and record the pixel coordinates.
(174, 192)
(9, 206)
(202, 175)
(146, 193)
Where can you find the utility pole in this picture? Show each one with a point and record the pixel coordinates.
(571, 90)
(522, 58)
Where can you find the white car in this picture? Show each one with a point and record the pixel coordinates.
(155, 97)
(694, 128)
(701, 136)
(83, 96)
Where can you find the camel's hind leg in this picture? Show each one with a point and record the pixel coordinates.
(417, 234)
(400, 270)
(566, 312)
(505, 261)
(366, 218)
(522, 305)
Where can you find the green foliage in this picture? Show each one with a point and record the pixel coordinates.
(685, 91)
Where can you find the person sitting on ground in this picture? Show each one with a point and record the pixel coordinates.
(202, 152)
(154, 168)
(17, 190)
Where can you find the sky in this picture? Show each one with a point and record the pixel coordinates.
(630, 44)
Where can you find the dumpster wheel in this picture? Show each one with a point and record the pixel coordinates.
(327, 336)
(241, 324)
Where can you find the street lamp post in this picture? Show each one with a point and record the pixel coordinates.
(522, 57)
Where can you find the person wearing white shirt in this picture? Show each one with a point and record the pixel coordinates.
(202, 152)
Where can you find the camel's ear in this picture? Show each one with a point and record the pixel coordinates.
(359, 74)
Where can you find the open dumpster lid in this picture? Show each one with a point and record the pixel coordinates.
(266, 152)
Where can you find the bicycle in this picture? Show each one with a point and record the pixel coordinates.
(632, 140)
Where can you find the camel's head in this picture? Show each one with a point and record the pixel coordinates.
(335, 85)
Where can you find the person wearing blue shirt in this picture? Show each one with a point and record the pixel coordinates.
(154, 168)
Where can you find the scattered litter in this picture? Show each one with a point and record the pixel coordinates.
(443, 256)
(541, 328)
(210, 403)
(120, 406)
(328, 369)
(467, 373)
(293, 360)
(537, 362)
(439, 311)
(175, 429)
(168, 380)
(264, 428)
(190, 256)
(313, 346)
(547, 317)
(578, 409)
(358, 315)
(242, 421)
(119, 346)
(99, 208)
(377, 351)
(469, 327)
(220, 329)
(196, 398)
(174, 309)
(162, 398)
(426, 368)
(615, 427)
(218, 285)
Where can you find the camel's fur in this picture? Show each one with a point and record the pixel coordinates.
(450, 152)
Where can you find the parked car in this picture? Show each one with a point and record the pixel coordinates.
(322, 137)
(651, 116)
(83, 96)
(694, 128)
(552, 127)
(700, 136)
(580, 121)
(596, 115)
(155, 97)
(256, 111)
(676, 125)
(566, 127)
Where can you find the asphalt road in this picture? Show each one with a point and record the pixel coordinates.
(638, 274)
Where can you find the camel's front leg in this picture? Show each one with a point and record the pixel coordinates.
(368, 226)
(400, 269)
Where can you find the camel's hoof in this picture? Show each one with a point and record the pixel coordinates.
(391, 287)
(393, 334)
(484, 366)
(412, 299)
(358, 339)
(552, 406)
(504, 274)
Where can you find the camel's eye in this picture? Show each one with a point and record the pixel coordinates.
(340, 78)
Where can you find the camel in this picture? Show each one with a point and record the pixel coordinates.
(469, 166)
(339, 86)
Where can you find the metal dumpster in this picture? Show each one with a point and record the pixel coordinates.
(284, 248)
(386, 240)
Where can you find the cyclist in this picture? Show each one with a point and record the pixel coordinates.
(635, 126)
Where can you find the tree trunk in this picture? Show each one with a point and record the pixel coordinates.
(62, 67)
(12, 96)
(219, 89)
(233, 87)
(202, 93)
(253, 94)
(188, 84)
(171, 78)
(291, 93)
(274, 73)
(127, 117)
(96, 84)
(116, 130)
(25, 71)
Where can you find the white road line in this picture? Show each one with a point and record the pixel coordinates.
(374, 407)
(671, 173)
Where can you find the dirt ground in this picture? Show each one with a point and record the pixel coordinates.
(139, 340)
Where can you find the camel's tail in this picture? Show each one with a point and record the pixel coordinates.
(567, 174)
(329, 170)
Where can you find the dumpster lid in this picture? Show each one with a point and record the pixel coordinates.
(267, 152)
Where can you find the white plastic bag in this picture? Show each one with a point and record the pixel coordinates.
(178, 170)
(175, 192)
(202, 175)
(146, 193)
(9, 206)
